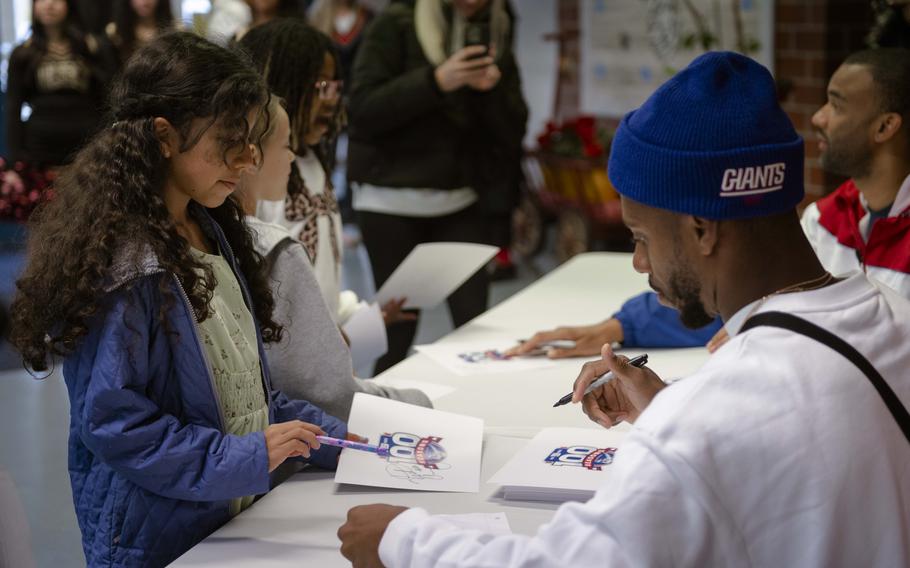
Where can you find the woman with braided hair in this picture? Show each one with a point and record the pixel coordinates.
(142, 275)
(300, 65)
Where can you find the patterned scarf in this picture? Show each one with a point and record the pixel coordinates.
(301, 205)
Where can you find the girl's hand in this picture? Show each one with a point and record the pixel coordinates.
(392, 312)
(290, 440)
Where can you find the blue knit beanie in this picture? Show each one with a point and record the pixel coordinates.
(712, 142)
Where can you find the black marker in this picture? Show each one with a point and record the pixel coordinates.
(639, 361)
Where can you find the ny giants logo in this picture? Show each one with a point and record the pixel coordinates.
(753, 180)
(403, 447)
(588, 457)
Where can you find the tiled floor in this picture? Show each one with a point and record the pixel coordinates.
(34, 419)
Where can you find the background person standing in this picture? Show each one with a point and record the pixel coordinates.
(436, 122)
(59, 74)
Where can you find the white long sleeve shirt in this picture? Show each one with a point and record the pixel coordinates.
(778, 452)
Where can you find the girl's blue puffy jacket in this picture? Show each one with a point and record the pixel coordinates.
(151, 467)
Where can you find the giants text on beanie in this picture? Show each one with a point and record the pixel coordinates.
(713, 142)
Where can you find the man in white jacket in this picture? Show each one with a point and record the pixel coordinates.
(780, 451)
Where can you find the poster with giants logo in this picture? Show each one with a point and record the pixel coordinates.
(416, 448)
(561, 464)
(581, 456)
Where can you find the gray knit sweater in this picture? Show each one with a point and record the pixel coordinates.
(312, 361)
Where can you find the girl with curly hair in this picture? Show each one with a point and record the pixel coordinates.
(142, 275)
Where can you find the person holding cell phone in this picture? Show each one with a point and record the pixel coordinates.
(436, 123)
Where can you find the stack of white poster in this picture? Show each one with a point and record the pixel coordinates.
(417, 448)
(560, 464)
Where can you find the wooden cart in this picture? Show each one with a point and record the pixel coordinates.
(575, 193)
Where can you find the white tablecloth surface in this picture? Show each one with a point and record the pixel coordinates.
(295, 524)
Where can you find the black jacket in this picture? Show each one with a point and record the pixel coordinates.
(65, 112)
(404, 132)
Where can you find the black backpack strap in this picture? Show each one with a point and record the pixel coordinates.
(801, 326)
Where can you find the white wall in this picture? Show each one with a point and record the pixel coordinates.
(22, 19)
(537, 60)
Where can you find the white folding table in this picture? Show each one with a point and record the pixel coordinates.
(295, 524)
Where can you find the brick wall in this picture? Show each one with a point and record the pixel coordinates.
(812, 37)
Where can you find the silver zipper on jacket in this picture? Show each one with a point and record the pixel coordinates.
(205, 358)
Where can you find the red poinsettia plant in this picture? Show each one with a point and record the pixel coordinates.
(580, 137)
(22, 188)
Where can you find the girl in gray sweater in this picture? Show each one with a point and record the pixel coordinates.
(312, 361)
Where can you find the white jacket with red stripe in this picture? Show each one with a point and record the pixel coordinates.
(838, 228)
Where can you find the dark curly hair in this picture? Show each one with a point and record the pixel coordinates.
(289, 53)
(110, 200)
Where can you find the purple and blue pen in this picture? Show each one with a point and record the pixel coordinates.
(329, 441)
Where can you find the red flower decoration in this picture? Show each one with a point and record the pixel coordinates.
(586, 129)
(22, 188)
(576, 138)
(593, 150)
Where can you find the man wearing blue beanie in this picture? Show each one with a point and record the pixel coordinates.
(864, 135)
(791, 445)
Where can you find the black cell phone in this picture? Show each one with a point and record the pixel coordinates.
(477, 33)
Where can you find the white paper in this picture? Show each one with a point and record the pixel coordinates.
(433, 271)
(481, 358)
(560, 464)
(432, 390)
(366, 332)
(495, 524)
(428, 450)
